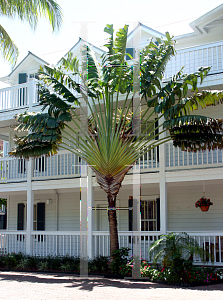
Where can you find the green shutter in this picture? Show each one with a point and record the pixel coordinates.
(40, 216)
(158, 213)
(130, 213)
(22, 78)
(131, 52)
(20, 217)
(156, 138)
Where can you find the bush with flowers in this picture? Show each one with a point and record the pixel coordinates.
(186, 274)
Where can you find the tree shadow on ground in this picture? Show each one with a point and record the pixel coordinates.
(88, 284)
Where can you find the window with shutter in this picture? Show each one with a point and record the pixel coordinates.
(20, 216)
(41, 216)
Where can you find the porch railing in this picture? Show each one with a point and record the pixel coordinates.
(56, 243)
(194, 57)
(68, 243)
(212, 243)
(12, 241)
(101, 242)
(177, 159)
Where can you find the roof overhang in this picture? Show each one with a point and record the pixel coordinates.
(208, 20)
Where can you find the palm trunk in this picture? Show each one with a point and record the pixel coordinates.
(112, 218)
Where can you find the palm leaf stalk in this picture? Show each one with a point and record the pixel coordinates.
(97, 126)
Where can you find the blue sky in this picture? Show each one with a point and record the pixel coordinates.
(162, 15)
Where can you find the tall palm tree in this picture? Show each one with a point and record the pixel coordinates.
(107, 137)
(30, 11)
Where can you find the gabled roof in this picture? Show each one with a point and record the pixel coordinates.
(30, 55)
(78, 45)
(25, 58)
(145, 28)
(212, 18)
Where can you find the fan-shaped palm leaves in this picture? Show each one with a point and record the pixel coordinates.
(102, 125)
(175, 245)
(30, 11)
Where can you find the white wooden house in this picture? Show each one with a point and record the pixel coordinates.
(43, 196)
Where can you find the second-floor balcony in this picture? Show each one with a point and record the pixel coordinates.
(208, 55)
(26, 94)
(67, 165)
(19, 96)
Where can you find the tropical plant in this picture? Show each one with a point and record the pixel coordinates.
(30, 11)
(173, 248)
(103, 126)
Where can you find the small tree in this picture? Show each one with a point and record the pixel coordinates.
(107, 137)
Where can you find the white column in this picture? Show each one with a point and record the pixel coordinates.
(8, 211)
(30, 202)
(163, 186)
(57, 210)
(90, 200)
(32, 93)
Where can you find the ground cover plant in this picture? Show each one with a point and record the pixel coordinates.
(119, 266)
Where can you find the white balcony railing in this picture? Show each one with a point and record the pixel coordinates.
(191, 59)
(68, 243)
(19, 96)
(63, 164)
(23, 95)
(66, 165)
(178, 159)
(12, 169)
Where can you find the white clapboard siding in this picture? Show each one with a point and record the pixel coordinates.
(182, 213)
(69, 211)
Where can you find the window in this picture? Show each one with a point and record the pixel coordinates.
(148, 211)
(150, 214)
(39, 216)
(20, 216)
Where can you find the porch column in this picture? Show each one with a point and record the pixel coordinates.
(30, 202)
(90, 200)
(32, 93)
(163, 186)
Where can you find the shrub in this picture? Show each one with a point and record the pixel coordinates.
(23, 264)
(98, 264)
(119, 262)
(10, 261)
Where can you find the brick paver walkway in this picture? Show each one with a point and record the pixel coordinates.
(16, 285)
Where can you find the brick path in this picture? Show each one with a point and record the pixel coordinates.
(16, 285)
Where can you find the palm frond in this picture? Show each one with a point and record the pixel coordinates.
(32, 10)
(8, 48)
